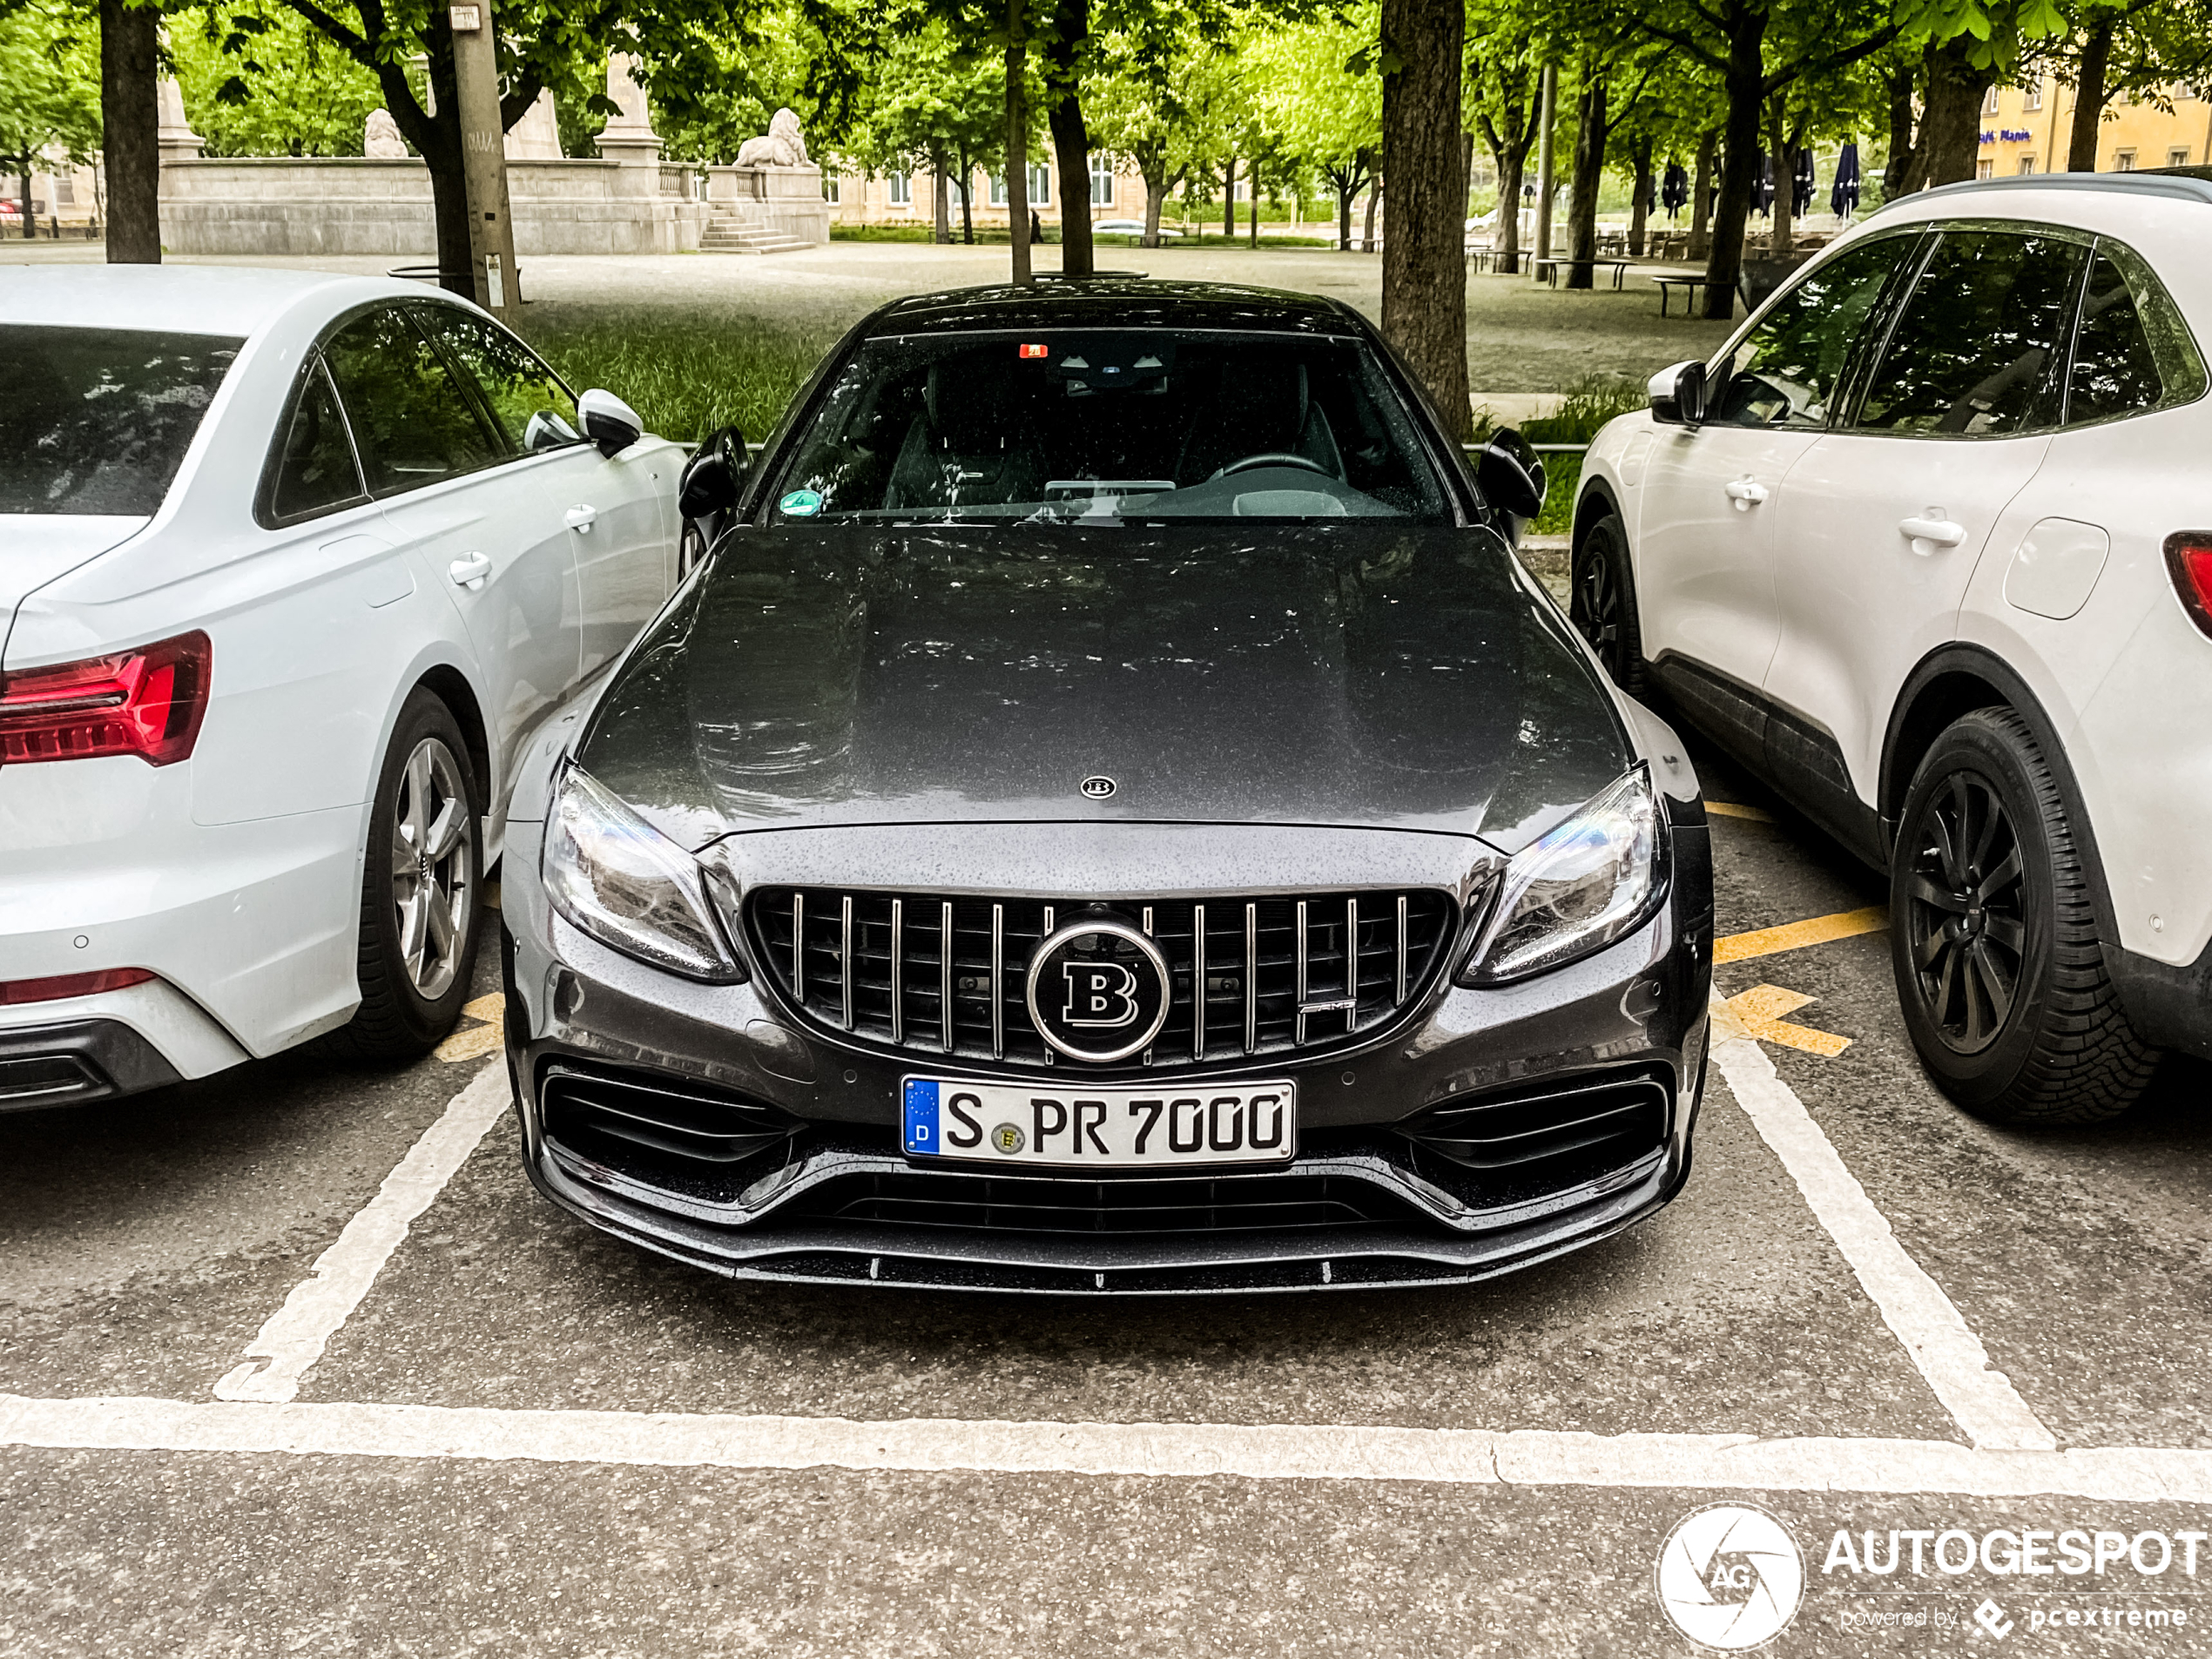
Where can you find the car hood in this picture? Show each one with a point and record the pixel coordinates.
(1380, 676)
(34, 548)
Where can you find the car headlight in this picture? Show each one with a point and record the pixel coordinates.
(1589, 881)
(624, 882)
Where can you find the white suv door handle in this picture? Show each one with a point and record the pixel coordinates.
(1932, 532)
(469, 570)
(1746, 493)
(582, 517)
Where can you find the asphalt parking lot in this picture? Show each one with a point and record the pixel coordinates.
(293, 1360)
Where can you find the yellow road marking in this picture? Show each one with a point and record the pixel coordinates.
(1754, 1013)
(1742, 948)
(1729, 809)
(478, 1040)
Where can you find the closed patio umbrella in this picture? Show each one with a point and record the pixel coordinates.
(1763, 188)
(1674, 189)
(1843, 195)
(1800, 183)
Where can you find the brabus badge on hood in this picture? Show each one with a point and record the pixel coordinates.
(1096, 786)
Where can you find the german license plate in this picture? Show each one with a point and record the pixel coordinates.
(1093, 1128)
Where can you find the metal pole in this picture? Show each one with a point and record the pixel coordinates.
(1547, 98)
(483, 161)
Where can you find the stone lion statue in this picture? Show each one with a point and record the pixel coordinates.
(381, 138)
(785, 146)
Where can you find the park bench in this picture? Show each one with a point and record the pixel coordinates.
(1548, 268)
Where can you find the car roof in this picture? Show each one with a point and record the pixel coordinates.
(189, 298)
(1116, 300)
(2174, 183)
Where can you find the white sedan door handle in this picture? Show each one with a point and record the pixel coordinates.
(1932, 532)
(582, 517)
(469, 570)
(1746, 493)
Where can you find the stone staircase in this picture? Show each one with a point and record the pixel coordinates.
(726, 234)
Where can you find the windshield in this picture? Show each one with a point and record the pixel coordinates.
(1139, 426)
(98, 420)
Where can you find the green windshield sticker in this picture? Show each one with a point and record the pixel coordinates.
(801, 503)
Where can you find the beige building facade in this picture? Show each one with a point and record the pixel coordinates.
(858, 198)
(2029, 129)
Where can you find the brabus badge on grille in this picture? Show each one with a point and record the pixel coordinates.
(1098, 990)
(1097, 786)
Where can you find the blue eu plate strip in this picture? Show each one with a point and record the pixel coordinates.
(921, 1116)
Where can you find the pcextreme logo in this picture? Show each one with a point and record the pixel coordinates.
(1730, 1577)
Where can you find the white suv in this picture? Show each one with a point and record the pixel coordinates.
(291, 566)
(1928, 546)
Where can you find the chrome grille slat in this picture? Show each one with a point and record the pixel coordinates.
(931, 974)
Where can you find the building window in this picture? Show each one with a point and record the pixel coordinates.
(998, 190)
(2178, 158)
(1984, 169)
(2032, 99)
(829, 189)
(2123, 161)
(1040, 186)
(2027, 166)
(65, 188)
(1989, 104)
(1102, 181)
(899, 190)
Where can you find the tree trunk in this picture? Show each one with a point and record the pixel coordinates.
(1252, 215)
(27, 161)
(967, 208)
(1346, 189)
(1374, 198)
(1424, 282)
(130, 122)
(1740, 151)
(1588, 173)
(1546, 183)
(2089, 98)
(1070, 138)
(1017, 146)
(940, 201)
(1228, 199)
(1646, 194)
(1153, 169)
(1899, 169)
(1512, 161)
(1701, 196)
(1951, 125)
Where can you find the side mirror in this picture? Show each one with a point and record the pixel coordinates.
(609, 422)
(1677, 394)
(714, 475)
(1511, 476)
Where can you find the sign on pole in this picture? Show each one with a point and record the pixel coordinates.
(483, 161)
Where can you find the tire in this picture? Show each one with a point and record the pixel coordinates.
(1994, 940)
(414, 974)
(1602, 602)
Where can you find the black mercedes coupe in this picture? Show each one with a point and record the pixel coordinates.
(1109, 813)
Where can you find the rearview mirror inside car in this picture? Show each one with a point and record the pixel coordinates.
(1511, 474)
(609, 422)
(1677, 393)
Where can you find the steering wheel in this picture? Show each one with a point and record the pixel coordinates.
(1272, 458)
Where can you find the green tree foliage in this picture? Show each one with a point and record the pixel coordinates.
(933, 105)
(713, 88)
(1319, 101)
(258, 79)
(50, 87)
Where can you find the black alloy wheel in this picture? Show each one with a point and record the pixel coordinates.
(1602, 602)
(1999, 968)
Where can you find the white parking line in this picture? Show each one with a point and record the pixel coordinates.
(1272, 1452)
(1913, 1306)
(294, 1337)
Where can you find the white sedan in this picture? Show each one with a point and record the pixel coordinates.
(291, 566)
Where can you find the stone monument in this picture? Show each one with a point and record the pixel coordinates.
(536, 137)
(381, 139)
(174, 134)
(629, 136)
(773, 187)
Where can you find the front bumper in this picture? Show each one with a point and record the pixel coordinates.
(766, 1149)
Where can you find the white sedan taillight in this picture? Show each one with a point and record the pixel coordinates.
(148, 702)
(2188, 561)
